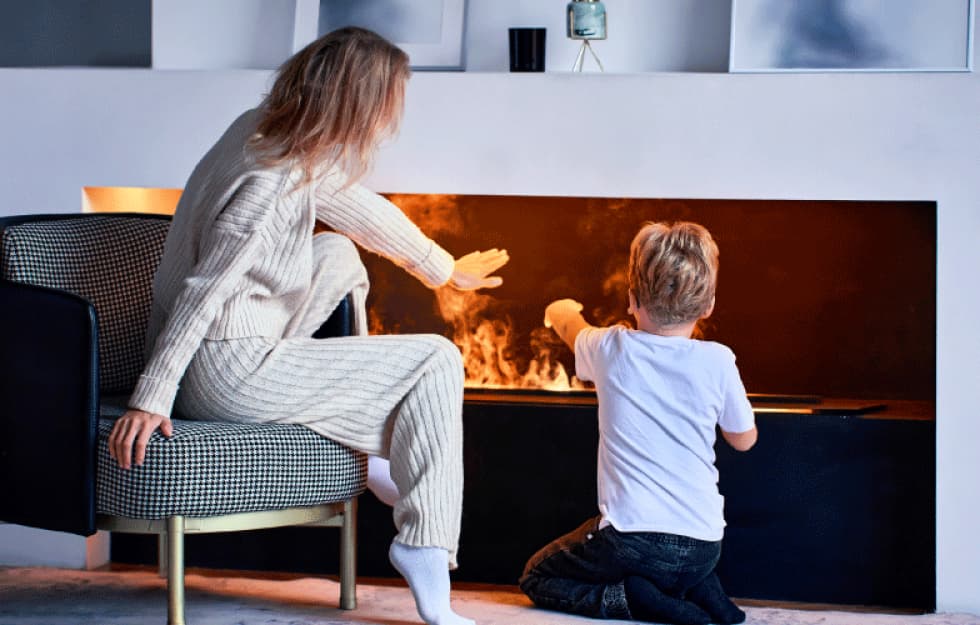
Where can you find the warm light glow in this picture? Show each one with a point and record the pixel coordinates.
(129, 200)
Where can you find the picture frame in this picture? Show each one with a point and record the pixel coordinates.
(851, 36)
(432, 33)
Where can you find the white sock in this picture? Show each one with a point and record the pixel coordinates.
(379, 480)
(426, 569)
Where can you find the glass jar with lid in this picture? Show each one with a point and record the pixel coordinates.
(586, 19)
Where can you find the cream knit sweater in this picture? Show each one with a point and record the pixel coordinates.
(243, 284)
(238, 261)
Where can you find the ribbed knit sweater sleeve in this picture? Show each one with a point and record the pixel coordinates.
(377, 225)
(239, 235)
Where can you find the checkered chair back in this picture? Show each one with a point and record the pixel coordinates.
(108, 260)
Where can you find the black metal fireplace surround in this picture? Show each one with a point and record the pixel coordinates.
(830, 308)
(832, 507)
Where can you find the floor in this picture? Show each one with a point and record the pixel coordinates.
(137, 596)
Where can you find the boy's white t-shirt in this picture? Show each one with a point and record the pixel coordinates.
(660, 399)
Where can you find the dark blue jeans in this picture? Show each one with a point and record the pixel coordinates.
(588, 571)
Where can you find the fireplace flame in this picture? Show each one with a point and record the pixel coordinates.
(487, 343)
(494, 355)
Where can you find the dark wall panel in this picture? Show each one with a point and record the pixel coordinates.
(51, 33)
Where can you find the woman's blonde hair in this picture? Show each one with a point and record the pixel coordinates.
(673, 271)
(332, 103)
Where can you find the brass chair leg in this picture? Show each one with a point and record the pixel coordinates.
(175, 570)
(348, 556)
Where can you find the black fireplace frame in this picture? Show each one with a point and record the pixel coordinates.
(830, 508)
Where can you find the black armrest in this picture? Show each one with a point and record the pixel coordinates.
(340, 322)
(49, 394)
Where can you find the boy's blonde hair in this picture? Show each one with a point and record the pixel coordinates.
(333, 102)
(673, 271)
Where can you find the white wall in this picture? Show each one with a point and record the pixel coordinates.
(225, 34)
(790, 136)
(25, 546)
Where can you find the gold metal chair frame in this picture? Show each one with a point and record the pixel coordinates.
(171, 533)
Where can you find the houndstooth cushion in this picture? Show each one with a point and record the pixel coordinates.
(208, 469)
(109, 261)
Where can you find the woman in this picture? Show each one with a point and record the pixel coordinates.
(244, 283)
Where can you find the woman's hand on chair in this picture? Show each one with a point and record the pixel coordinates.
(132, 432)
(473, 270)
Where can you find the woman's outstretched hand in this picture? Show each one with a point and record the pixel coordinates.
(134, 428)
(473, 270)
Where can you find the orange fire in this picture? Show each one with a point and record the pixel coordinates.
(492, 354)
(486, 341)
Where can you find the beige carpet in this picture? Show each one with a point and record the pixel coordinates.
(39, 596)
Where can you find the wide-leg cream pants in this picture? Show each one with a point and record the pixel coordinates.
(398, 397)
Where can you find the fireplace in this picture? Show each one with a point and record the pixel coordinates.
(834, 299)
(817, 298)
(830, 309)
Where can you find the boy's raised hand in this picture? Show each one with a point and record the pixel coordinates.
(565, 317)
(560, 309)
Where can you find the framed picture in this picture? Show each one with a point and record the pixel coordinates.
(430, 32)
(851, 35)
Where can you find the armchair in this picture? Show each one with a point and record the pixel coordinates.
(75, 293)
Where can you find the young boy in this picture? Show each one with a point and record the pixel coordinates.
(651, 553)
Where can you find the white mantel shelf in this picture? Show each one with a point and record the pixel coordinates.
(791, 136)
